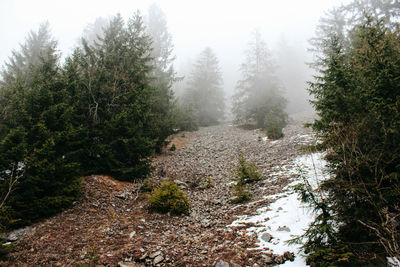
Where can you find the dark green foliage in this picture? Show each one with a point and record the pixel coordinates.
(169, 198)
(5, 248)
(274, 127)
(207, 183)
(258, 97)
(246, 172)
(147, 186)
(204, 93)
(163, 75)
(328, 257)
(121, 109)
(357, 100)
(106, 111)
(240, 194)
(38, 137)
(172, 148)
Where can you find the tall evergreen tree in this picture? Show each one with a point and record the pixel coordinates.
(339, 22)
(163, 74)
(113, 91)
(357, 100)
(38, 46)
(205, 91)
(93, 31)
(38, 139)
(258, 95)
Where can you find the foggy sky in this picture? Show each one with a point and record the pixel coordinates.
(225, 26)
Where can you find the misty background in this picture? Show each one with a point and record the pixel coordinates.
(224, 26)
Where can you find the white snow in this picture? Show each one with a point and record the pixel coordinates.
(393, 262)
(287, 211)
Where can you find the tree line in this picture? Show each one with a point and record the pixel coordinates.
(105, 110)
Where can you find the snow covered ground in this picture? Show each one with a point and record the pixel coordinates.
(287, 216)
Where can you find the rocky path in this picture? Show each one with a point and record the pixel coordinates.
(111, 224)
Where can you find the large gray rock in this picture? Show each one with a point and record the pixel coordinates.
(17, 234)
(222, 263)
(266, 237)
(127, 264)
(283, 229)
(158, 259)
(155, 254)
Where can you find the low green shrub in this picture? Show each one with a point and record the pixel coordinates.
(147, 186)
(241, 194)
(331, 256)
(172, 148)
(274, 128)
(208, 183)
(169, 198)
(246, 172)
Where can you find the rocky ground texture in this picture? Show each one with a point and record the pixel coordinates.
(111, 225)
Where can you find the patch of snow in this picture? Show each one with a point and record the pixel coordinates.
(287, 212)
(393, 261)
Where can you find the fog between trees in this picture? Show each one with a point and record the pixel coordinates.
(225, 28)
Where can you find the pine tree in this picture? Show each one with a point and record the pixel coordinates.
(205, 91)
(38, 46)
(38, 139)
(258, 95)
(356, 97)
(163, 74)
(112, 86)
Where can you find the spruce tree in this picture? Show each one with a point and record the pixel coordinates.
(205, 92)
(162, 74)
(357, 100)
(258, 95)
(40, 173)
(113, 91)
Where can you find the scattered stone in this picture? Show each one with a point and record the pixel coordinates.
(182, 184)
(127, 264)
(283, 229)
(17, 234)
(222, 263)
(123, 195)
(155, 254)
(267, 259)
(143, 257)
(206, 223)
(132, 234)
(187, 240)
(266, 237)
(288, 256)
(279, 259)
(158, 259)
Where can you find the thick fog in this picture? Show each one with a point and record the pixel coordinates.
(224, 26)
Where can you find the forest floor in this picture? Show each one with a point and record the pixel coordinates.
(112, 226)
